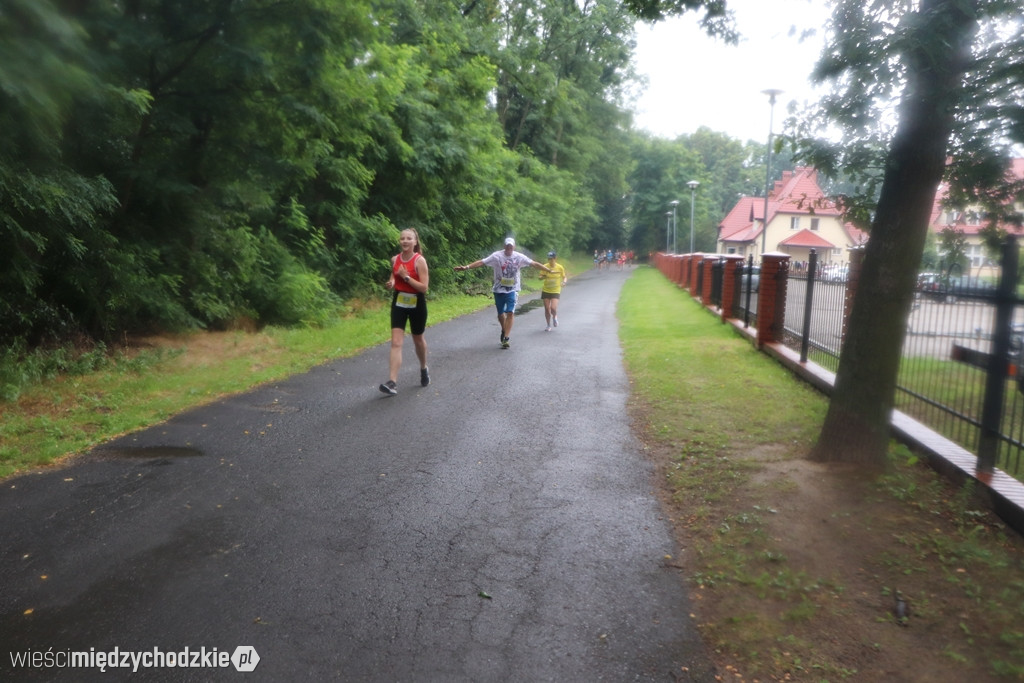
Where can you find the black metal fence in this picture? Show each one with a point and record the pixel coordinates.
(962, 372)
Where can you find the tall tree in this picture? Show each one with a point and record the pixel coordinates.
(240, 112)
(49, 210)
(662, 169)
(732, 169)
(716, 19)
(928, 49)
(562, 71)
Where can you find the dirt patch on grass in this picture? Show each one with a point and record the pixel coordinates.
(806, 571)
(203, 349)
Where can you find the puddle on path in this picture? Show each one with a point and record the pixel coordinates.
(529, 306)
(150, 452)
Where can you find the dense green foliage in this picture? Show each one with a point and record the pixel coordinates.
(725, 169)
(206, 163)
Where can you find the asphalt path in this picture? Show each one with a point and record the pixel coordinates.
(497, 525)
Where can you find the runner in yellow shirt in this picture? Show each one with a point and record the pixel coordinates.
(553, 279)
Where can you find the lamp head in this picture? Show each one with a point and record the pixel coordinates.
(772, 93)
(674, 202)
(692, 184)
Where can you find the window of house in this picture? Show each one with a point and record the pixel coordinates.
(730, 250)
(794, 223)
(814, 224)
(976, 254)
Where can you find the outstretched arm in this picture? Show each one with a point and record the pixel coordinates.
(474, 264)
(537, 264)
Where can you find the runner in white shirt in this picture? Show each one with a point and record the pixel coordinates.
(506, 265)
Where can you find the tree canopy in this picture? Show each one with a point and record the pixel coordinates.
(205, 162)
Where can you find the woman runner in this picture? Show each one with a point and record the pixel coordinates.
(410, 280)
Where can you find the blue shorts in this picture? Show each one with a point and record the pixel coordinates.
(505, 302)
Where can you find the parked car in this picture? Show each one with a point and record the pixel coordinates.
(965, 287)
(951, 289)
(929, 285)
(834, 272)
(1017, 345)
(755, 278)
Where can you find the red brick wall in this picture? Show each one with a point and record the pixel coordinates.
(695, 264)
(771, 299)
(705, 284)
(732, 264)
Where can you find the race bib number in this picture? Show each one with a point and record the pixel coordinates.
(406, 300)
(508, 282)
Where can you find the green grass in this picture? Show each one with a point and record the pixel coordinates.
(706, 391)
(720, 415)
(960, 388)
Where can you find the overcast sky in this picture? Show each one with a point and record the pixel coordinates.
(695, 80)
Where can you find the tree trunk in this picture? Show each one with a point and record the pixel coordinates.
(856, 428)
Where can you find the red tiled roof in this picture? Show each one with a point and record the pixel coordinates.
(739, 220)
(807, 238)
(939, 218)
(857, 236)
(1017, 168)
(797, 193)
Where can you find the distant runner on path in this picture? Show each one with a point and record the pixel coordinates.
(507, 282)
(551, 290)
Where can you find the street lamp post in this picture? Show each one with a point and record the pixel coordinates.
(772, 94)
(668, 234)
(693, 190)
(674, 203)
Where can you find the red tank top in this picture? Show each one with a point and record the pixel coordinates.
(410, 268)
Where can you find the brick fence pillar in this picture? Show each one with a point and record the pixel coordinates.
(771, 299)
(677, 269)
(695, 265)
(733, 263)
(705, 285)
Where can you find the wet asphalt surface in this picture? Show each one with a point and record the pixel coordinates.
(497, 525)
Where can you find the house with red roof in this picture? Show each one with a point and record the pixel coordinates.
(799, 218)
(970, 221)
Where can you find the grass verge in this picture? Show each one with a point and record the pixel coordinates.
(802, 571)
